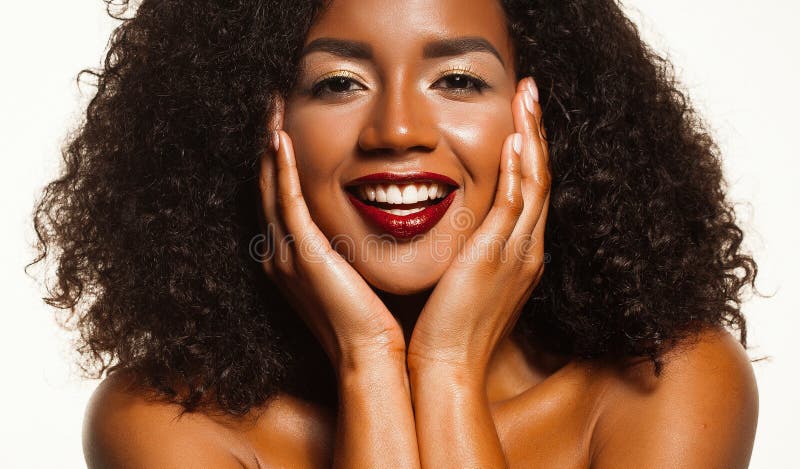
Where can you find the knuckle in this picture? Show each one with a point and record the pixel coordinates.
(544, 182)
(290, 200)
(511, 204)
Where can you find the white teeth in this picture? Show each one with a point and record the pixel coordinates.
(433, 191)
(393, 195)
(380, 194)
(402, 193)
(422, 192)
(401, 212)
(410, 194)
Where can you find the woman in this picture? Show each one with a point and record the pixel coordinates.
(399, 234)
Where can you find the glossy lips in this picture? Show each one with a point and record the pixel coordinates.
(404, 226)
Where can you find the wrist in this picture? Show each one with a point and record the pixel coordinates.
(460, 364)
(348, 351)
(446, 375)
(356, 361)
(380, 374)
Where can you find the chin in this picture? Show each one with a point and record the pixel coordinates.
(408, 279)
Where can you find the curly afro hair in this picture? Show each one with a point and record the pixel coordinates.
(151, 221)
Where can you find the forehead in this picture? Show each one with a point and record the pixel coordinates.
(395, 26)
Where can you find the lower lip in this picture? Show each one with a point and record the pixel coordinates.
(404, 226)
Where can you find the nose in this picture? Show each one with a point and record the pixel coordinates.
(400, 121)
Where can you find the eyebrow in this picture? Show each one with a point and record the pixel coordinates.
(435, 49)
(458, 46)
(340, 47)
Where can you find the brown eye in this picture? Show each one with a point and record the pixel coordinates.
(336, 85)
(463, 83)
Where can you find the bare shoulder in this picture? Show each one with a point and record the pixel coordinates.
(292, 432)
(701, 411)
(125, 428)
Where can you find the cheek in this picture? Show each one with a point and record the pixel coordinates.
(476, 138)
(320, 139)
(322, 142)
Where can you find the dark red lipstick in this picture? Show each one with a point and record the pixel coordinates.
(404, 226)
(418, 176)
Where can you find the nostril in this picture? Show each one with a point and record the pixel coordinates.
(399, 134)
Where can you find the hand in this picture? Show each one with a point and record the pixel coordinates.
(478, 299)
(337, 304)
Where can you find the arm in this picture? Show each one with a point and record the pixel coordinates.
(453, 419)
(702, 412)
(376, 425)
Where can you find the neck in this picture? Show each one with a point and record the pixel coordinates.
(509, 373)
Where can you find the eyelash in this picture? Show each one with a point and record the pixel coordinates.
(474, 82)
(317, 89)
(478, 83)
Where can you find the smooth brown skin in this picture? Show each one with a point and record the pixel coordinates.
(427, 374)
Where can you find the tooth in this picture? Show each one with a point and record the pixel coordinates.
(361, 192)
(422, 192)
(371, 192)
(380, 193)
(441, 192)
(432, 190)
(410, 194)
(393, 195)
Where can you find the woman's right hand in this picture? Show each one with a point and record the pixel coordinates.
(337, 304)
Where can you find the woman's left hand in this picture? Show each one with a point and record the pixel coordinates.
(478, 299)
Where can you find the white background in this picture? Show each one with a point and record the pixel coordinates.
(739, 61)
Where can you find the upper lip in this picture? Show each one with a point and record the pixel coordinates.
(415, 176)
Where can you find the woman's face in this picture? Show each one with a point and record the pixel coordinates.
(402, 87)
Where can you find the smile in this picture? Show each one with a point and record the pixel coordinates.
(403, 205)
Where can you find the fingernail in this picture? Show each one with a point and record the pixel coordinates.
(533, 89)
(276, 140)
(516, 143)
(527, 98)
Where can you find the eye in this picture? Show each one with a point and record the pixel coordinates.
(335, 84)
(463, 83)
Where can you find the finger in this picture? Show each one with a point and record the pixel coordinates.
(311, 243)
(541, 171)
(540, 136)
(534, 158)
(539, 231)
(291, 202)
(529, 247)
(274, 229)
(508, 203)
